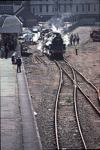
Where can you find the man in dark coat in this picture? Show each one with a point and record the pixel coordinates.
(18, 62)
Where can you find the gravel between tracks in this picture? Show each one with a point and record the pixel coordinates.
(43, 83)
(68, 130)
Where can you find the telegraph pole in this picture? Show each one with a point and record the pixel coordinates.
(99, 11)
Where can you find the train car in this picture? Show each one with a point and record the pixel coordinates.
(55, 47)
(95, 35)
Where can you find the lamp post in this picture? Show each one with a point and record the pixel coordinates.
(99, 11)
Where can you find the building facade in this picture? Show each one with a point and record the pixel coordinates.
(81, 8)
(29, 10)
(42, 8)
(9, 7)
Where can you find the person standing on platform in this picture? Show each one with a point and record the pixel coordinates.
(18, 62)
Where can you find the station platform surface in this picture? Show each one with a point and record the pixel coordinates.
(19, 129)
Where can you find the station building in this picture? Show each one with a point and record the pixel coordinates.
(42, 10)
(81, 8)
(9, 7)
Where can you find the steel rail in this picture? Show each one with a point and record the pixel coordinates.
(93, 86)
(75, 104)
(40, 59)
(88, 99)
(76, 110)
(77, 117)
(65, 72)
(56, 105)
(76, 86)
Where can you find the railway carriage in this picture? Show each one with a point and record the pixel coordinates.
(95, 34)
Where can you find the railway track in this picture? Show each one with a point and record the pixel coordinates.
(56, 107)
(90, 92)
(75, 107)
(38, 58)
(75, 77)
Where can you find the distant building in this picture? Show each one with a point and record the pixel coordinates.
(81, 8)
(20, 8)
(9, 7)
(43, 9)
(29, 11)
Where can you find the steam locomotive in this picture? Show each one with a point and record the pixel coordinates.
(54, 46)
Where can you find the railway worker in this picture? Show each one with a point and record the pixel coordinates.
(77, 38)
(74, 39)
(71, 39)
(76, 49)
(18, 62)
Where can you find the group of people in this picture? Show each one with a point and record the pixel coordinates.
(74, 39)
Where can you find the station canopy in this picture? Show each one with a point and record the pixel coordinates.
(10, 24)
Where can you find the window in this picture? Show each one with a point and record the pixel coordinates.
(76, 8)
(52, 9)
(82, 7)
(40, 8)
(17, 2)
(64, 8)
(88, 6)
(46, 8)
(70, 7)
(94, 7)
(33, 11)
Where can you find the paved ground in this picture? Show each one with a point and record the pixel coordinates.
(18, 125)
(10, 114)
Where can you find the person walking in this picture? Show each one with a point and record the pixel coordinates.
(74, 39)
(71, 39)
(18, 62)
(77, 38)
(76, 49)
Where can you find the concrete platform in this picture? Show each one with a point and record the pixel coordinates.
(18, 125)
